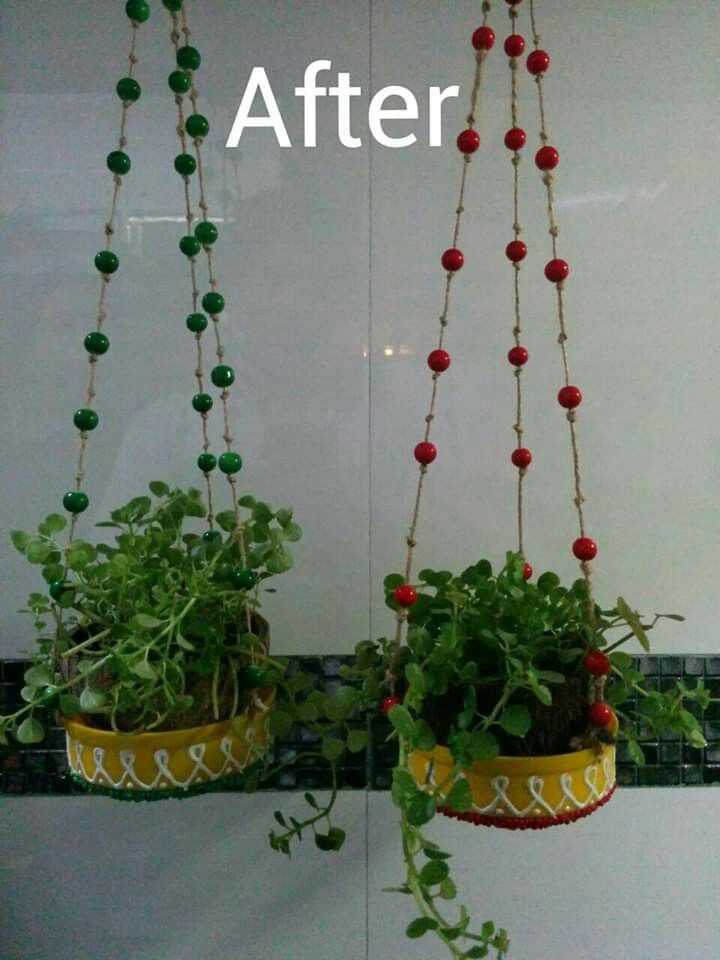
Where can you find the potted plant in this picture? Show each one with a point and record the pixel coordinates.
(152, 647)
(507, 701)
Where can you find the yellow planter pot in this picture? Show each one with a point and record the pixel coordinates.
(520, 793)
(172, 762)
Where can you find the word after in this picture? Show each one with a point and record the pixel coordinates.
(379, 113)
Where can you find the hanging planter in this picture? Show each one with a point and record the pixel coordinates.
(150, 646)
(507, 694)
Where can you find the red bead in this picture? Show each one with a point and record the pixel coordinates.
(425, 452)
(570, 397)
(597, 663)
(547, 158)
(514, 45)
(390, 702)
(483, 38)
(600, 714)
(438, 361)
(518, 356)
(538, 62)
(405, 595)
(453, 259)
(527, 571)
(585, 549)
(468, 141)
(557, 270)
(521, 457)
(515, 138)
(516, 251)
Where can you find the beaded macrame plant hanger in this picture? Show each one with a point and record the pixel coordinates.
(556, 272)
(192, 127)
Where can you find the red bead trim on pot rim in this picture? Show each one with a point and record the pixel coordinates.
(527, 823)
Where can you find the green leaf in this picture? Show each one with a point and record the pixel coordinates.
(281, 722)
(415, 677)
(284, 516)
(420, 809)
(144, 621)
(29, 694)
(633, 621)
(247, 501)
(69, 705)
(460, 797)
(636, 752)
(307, 712)
(357, 740)
(621, 660)
(225, 520)
(39, 676)
(488, 929)
(401, 718)
(37, 551)
(340, 704)
(483, 745)
(475, 953)
(54, 523)
(548, 582)
(448, 890)
(332, 841)
(20, 540)
(516, 720)
(30, 731)
(262, 513)
(543, 693)
(92, 701)
(293, 532)
(393, 580)
(423, 738)
(420, 926)
(332, 749)
(158, 488)
(143, 670)
(434, 872)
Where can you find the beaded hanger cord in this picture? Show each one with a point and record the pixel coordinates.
(556, 272)
(192, 128)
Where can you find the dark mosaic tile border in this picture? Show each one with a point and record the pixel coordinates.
(42, 770)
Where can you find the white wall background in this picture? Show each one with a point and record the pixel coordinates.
(327, 257)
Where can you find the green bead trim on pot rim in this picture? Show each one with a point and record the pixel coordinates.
(234, 781)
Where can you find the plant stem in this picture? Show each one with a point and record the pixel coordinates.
(86, 643)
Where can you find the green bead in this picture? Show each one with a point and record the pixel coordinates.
(196, 322)
(138, 10)
(75, 501)
(251, 677)
(206, 462)
(173, 5)
(50, 697)
(189, 246)
(212, 536)
(97, 343)
(206, 232)
(128, 89)
(85, 419)
(230, 462)
(179, 81)
(118, 162)
(197, 126)
(213, 303)
(188, 58)
(202, 402)
(185, 164)
(57, 589)
(223, 376)
(106, 261)
(244, 579)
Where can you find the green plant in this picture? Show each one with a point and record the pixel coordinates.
(160, 629)
(157, 629)
(494, 663)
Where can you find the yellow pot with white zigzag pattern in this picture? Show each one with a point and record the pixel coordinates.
(171, 762)
(520, 793)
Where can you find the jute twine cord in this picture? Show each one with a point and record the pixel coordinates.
(549, 180)
(471, 119)
(181, 28)
(101, 315)
(190, 217)
(517, 328)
